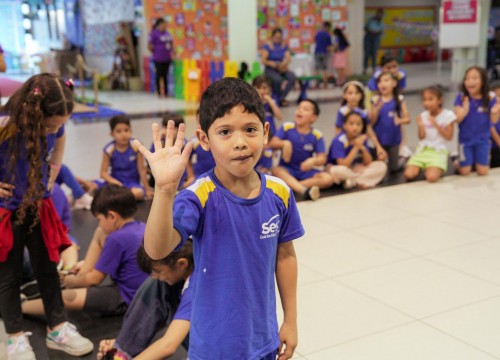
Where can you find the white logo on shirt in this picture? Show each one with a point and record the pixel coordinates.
(308, 147)
(131, 158)
(271, 228)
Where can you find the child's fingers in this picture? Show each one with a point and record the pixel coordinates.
(186, 152)
(169, 138)
(179, 141)
(156, 136)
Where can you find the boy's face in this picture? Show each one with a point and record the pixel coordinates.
(122, 134)
(236, 141)
(353, 126)
(167, 274)
(263, 90)
(392, 67)
(304, 114)
(107, 222)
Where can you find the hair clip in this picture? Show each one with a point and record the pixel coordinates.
(36, 91)
(69, 83)
(353, 82)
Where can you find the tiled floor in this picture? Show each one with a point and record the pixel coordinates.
(401, 272)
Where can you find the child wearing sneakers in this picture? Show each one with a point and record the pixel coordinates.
(121, 163)
(232, 209)
(349, 159)
(298, 167)
(435, 130)
(32, 142)
(112, 252)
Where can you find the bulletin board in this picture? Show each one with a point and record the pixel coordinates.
(199, 27)
(406, 26)
(299, 19)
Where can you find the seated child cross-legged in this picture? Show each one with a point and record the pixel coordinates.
(121, 163)
(243, 224)
(112, 252)
(349, 159)
(298, 165)
(435, 130)
(165, 298)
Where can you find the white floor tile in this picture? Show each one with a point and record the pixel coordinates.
(477, 324)
(413, 341)
(419, 287)
(480, 259)
(331, 313)
(419, 235)
(345, 252)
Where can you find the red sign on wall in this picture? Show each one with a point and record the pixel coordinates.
(459, 11)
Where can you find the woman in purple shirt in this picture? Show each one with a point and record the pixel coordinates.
(276, 57)
(160, 43)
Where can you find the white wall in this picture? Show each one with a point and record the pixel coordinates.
(242, 30)
(355, 17)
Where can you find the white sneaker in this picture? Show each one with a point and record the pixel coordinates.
(83, 202)
(69, 340)
(19, 348)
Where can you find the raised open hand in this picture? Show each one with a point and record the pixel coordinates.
(168, 162)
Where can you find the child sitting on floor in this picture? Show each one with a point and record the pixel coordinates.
(349, 157)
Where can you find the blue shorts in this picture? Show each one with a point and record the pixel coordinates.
(300, 175)
(475, 154)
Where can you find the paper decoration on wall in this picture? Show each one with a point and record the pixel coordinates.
(299, 19)
(199, 27)
(107, 12)
(406, 26)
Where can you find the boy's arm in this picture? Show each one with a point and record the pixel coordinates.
(91, 278)
(105, 163)
(141, 168)
(167, 165)
(286, 278)
(167, 345)
(93, 252)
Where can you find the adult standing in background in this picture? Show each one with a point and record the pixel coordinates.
(322, 50)
(276, 57)
(160, 43)
(374, 29)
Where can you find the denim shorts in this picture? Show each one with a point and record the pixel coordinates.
(475, 154)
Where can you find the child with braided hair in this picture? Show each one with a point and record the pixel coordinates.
(31, 150)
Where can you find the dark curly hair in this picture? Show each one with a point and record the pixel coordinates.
(41, 96)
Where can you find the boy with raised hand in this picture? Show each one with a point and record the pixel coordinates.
(242, 223)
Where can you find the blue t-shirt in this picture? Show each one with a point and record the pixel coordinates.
(118, 258)
(202, 161)
(388, 133)
(265, 161)
(185, 308)
(235, 245)
(344, 110)
(276, 52)
(123, 164)
(475, 127)
(21, 167)
(340, 149)
(322, 40)
(372, 83)
(304, 145)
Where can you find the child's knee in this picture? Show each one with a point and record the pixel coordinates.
(432, 176)
(482, 170)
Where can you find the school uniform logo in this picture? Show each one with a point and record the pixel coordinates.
(309, 147)
(132, 158)
(271, 228)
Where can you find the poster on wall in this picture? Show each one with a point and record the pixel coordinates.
(299, 19)
(406, 26)
(199, 27)
(459, 12)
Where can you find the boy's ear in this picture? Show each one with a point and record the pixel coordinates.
(203, 138)
(182, 263)
(113, 215)
(266, 133)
